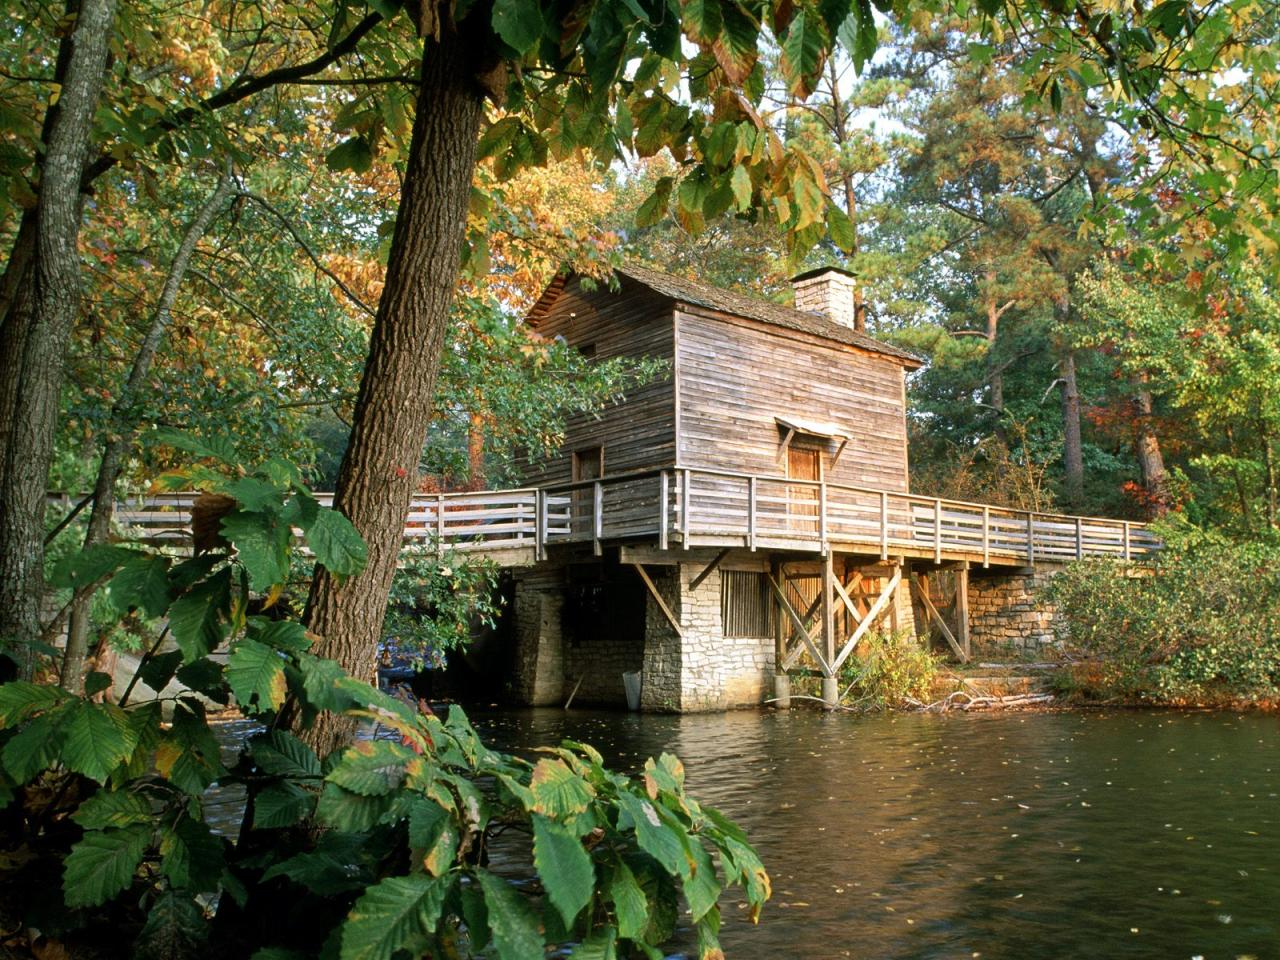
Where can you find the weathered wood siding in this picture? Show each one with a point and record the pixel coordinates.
(638, 433)
(736, 375)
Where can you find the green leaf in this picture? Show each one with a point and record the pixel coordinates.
(599, 945)
(96, 682)
(286, 635)
(143, 583)
(33, 749)
(736, 47)
(205, 677)
(20, 699)
(218, 448)
(371, 768)
(344, 810)
(281, 805)
(519, 23)
(629, 903)
(655, 205)
(335, 867)
(654, 836)
(90, 565)
(843, 233)
(199, 618)
(98, 739)
(256, 675)
(160, 669)
(284, 755)
(558, 792)
(319, 682)
(398, 914)
(740, 181)
(803, 52)
(175, 929)
(113, 808)
(102, 864)
(701, 888)
(193, 856)
(262, 546)
(433, 835)
(336, 544)
(511, 920)
(256, 495)
(353, 154)
(564, 867)
(703, 20)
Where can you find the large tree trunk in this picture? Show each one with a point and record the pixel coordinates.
(1272, 480)
(380, 468)
(1155, 479)
(1072, 447)
(123, 425)
(53, 301)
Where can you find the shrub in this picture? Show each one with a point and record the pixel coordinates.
(890, 670)
(378, 850)
(1200, 625)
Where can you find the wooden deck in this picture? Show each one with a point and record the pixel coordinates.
(724, 509)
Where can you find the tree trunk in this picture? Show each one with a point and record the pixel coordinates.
(54, 302)
(995, 371)
(1273, 483)
(380, 468)
(840, 115)
(476, 424)
(1155, 480)
(1072, 448)
(122, 427)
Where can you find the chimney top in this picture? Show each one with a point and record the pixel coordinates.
(827, 291)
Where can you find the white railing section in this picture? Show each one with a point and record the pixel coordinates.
(687, 506)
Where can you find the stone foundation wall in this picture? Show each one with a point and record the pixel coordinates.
(539, 661)
(1006, 615)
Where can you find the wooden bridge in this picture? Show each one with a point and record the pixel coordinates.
(683, 508)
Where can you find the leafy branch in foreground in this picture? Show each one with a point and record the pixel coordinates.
(378, 850)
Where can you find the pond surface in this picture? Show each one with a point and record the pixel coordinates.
(1028, 836)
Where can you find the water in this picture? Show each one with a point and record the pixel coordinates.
(1112, 835)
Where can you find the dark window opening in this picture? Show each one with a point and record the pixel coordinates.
(588, 464)
(588, 350)
(746, 605)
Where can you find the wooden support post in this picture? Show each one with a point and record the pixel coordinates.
(937, 530)
(884, 524)
(597, 517)
(439, 524)
(1031, 539)
(873, 616)
(685, 507)
(657, 598)
(751, 512)
(920, 584)
(1079, 539)
(828, 612)
(706, 571)
(1127, 552)
(663, 518)
(806, 638)
(540, 524)
(822, 519)
(962, 608)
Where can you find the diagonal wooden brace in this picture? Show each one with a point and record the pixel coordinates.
(873, 615)
(922, 594)
(805, 636)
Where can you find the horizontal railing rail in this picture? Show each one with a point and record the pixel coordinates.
(692, 505)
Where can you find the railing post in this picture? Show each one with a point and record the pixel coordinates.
(822, 516)
(1127, 554)
(597, 516)
(884, 524)
(439, 525)
(937, 530)
(986, 537)
(1079, 540)
(663, 521)
(1031, 538)
(751, 512)
(540, 524)
(685, 506)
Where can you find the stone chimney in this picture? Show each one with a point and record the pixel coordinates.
(827, 291)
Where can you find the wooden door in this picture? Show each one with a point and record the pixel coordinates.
(588, 464)
(803, 463)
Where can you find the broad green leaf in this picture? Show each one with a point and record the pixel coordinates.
(655, 205)
(843, 233)
(564, 867)
(90, 565)
(175, 929)
(601, 944)
(803, 48)
(20, 699)
(33, 749)
(740, 181)
(102, 864)
(335, 867)
(558, 792)
(512, 922)
(336, 544)
(284, 755)
(281, 805)
(262, 546)
(199, 618)
(98, 738)
(703, 20)
(352, 154)
(519, 23)
(282, 634)
(96, 682)
(210, 448)
(320, 683)
(193, 856)
(207, 678)
(736, 47)
(701, 888)
(371, 768)
(141, 583)
(398, 914)
(256, 495)
(344, 810)
(629, 903)
(425, 817)
(256, 675)
(654, 835)
(113, 808)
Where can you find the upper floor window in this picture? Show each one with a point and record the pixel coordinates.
(588, 463)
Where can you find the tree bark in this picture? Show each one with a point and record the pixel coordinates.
(1072, 447)
(1155, 479)
(380, 468)
(840, 119)
(54, 302)
(1272, 481)
(122, 427)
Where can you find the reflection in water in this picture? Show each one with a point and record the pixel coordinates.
(1000, 836)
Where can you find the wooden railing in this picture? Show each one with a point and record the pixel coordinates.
(690, 507)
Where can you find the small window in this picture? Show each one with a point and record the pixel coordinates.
(588, 463)
(588, 350)
(746, 604)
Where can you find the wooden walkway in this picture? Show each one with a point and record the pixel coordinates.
(724, 509)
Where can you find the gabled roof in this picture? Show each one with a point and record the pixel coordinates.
(740, 305)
